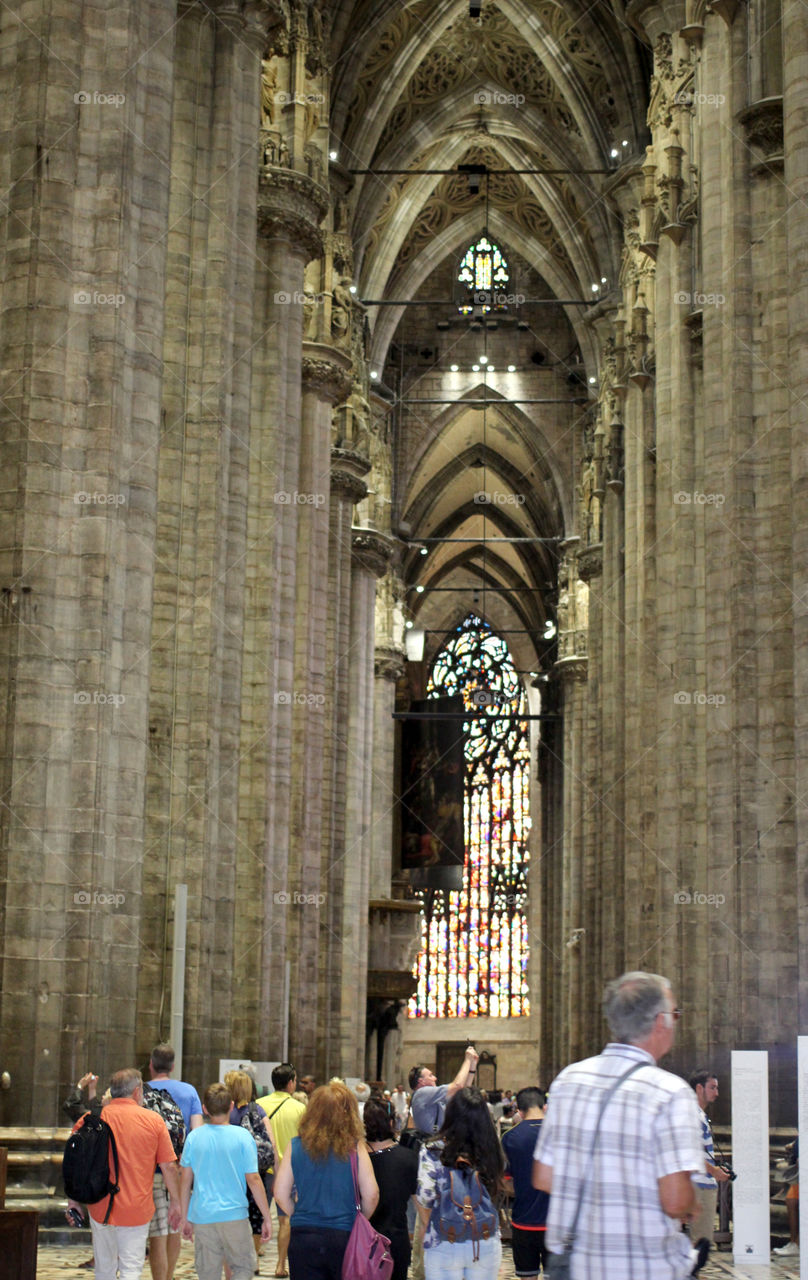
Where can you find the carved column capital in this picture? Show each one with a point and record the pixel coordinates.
(373, 550)
(571, 671)
(291, 207)
(763, 126)
(590, 562)
(347, 472)
(329, 375)
(389, 664)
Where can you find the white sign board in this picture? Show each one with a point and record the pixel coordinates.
(751, 1227)
(802, 1127)
(261, 1072)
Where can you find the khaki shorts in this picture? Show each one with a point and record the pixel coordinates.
(159, 1223)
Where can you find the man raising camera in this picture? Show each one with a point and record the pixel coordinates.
(428, 1101)
(705, 1086)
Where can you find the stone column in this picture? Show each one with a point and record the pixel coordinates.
(197, 638)
(795, 131)
(347, 488)
(371, 555)
(85, 208)
(326, 380)
(389, 667)
(290, 209)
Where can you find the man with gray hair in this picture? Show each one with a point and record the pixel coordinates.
(619, 1144)
(143, 1144)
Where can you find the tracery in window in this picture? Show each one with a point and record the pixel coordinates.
(484, 272)
(474, 943)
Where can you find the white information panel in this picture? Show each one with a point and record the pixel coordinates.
(751, 1228)
(261, 1072)
(802, 1127)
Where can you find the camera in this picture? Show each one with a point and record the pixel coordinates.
(728, 1169)
(74, 1218)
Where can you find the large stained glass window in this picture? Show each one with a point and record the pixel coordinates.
(474, 943)
(484, 272)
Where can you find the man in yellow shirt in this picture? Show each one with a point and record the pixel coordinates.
(284, 1113)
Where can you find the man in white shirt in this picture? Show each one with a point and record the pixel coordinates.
(705, 1086)
(631, 1172)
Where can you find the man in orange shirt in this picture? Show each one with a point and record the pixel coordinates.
(143, 1143)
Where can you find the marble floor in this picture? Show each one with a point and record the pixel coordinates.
(64, 1262)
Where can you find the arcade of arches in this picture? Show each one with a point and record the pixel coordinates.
(260, 420)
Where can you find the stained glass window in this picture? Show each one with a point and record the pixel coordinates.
(474, 943)
(483, 271)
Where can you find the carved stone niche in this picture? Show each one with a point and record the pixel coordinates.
(763, 125)
(395, 934)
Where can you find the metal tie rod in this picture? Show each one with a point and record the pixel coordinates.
(452, 302)
(479, 590)
(416, 542)
(468, 715)
(473, 171)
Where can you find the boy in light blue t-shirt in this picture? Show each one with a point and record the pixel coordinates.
(220, 1161)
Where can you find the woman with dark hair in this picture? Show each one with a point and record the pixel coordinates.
(315, 1186)
(464, 1158)
(396, 1171)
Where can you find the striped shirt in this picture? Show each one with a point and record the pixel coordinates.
(650, 1129)
(705, 1180)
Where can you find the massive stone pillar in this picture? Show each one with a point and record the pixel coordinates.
(348, 487)
(197, 636)
(795, 133)
(290, 209)
(371, 555)
(85, 209)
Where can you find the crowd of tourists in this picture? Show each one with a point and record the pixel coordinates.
(373, 1183)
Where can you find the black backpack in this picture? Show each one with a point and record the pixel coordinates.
(85, 1166)
(161, 1101)
(253, 1122)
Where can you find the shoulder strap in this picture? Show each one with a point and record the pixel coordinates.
(115, 1188)
(280, 1104)
(570, 1234)
(355, 1172)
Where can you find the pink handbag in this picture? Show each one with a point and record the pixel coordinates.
(367, 1255)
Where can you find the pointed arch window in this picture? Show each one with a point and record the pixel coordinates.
(474, 943)
(483, 272)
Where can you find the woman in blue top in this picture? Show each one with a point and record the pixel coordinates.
(314, 1184)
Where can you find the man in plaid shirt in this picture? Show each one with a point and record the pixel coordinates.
(635, 1187)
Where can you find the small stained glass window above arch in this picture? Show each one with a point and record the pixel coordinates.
(484, 272)
(475, 948)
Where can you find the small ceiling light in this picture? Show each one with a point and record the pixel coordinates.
(490, 368)
(455, 368)
(614, 153)
(352, 288)
(603, 280)
(475, 368)
(483, 359)
(624, 143)
(407, 625)
(424, 551)
(420, 590)
(333, 155)
(595, 288)
(592, 381)
(549, 629)
(511, 368)
(374, 374)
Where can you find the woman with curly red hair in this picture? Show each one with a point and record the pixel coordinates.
(314, 1184)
